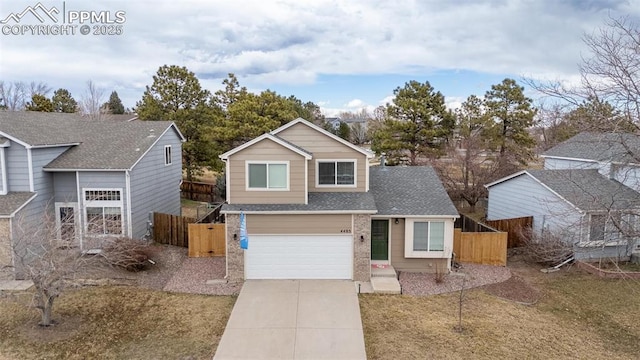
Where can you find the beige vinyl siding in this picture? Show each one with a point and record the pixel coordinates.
(266, 150)
(324, 147)
(399, 262)
(298, 224)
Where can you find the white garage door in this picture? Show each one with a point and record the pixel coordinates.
(299, 257)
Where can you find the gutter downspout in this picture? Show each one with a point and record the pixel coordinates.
(128, 189)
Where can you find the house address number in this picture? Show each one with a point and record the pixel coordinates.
(348, 231)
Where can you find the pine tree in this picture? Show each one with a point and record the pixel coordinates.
(64, 102)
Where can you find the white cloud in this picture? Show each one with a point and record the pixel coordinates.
(293, 42)
(355, 104)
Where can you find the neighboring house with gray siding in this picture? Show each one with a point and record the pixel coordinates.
(315, 209)
(587, 193)
(94, 178)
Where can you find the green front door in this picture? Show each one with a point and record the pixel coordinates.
(379, 239)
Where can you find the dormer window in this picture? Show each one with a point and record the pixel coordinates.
(336, 173)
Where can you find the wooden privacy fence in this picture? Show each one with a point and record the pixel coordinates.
(202, 239)
(513, 227)
(171, 229)
(198, 191)
(489, 248)
(206, 240)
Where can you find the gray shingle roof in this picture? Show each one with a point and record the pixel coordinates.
(318, 202)
(616, 147)
(101, 144)
(588, 190)
(12, 201)
(414, 190)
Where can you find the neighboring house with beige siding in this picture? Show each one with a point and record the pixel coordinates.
(316, 210)
(94, 179)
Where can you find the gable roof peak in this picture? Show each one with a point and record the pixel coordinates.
(315, 127)
(306, 154)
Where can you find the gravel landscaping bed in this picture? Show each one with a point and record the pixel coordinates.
(477, 275)
(194, 273)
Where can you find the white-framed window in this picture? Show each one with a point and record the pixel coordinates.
(103, 211)
(67, 221)
(267, 175)
(167, 155)
(336, 173)
(424, 238)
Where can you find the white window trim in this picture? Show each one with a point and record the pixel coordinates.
(76, 220)
(355, 173)
(170, 157)
(408, 240)
(102, 203)
(3, 171)
(246, 174)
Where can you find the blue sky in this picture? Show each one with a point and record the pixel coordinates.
(342, 55)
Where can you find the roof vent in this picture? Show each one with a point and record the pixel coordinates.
(383, 162)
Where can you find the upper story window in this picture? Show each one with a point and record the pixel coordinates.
(268, 176)
(336, 173)
(167, 155)
(102, 195)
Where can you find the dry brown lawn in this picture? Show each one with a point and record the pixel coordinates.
(578, 317)
(115, 323)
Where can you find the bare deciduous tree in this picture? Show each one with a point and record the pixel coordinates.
(45, 254)
(91, 102)
(15, 95)
(359, 134)
(610, 72)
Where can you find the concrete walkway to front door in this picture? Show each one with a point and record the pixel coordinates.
(294, 319)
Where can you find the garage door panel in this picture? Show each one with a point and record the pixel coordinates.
(299, 257)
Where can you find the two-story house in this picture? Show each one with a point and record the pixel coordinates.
(315, 209)
(588, 194)
(93, 178)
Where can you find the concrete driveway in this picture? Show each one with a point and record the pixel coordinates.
(294, 319)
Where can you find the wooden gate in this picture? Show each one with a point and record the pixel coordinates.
(206, 240)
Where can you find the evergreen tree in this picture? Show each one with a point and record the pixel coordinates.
(418, 124)
(512, 114)
(114, 105)
(64, 102)
(39, 103)
(176, 95)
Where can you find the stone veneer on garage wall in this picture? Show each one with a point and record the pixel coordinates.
(5, 250)
(235, 255)
(361, 249)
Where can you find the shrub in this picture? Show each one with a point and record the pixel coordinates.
(127, 253)
(546, 248)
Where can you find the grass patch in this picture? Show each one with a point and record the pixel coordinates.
(579, 316)
(116, 323)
